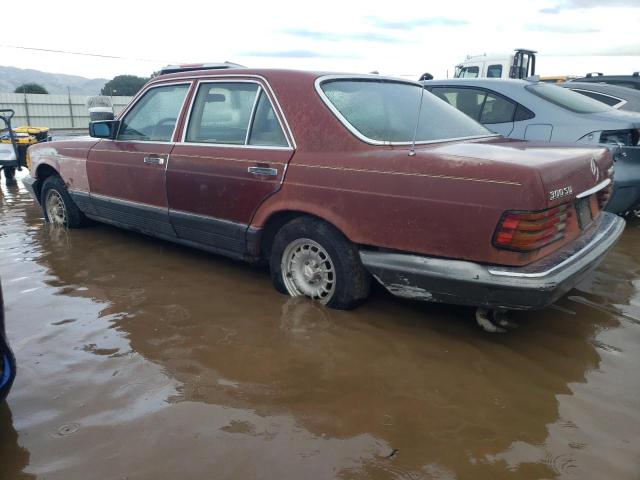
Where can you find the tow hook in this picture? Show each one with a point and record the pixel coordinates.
(493, 320)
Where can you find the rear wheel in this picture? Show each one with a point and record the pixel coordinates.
(310, 258)
(58, 206)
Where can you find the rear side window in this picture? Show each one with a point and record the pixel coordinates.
(467, 100)
(494, 71)
(234, 113)
(497, 109)
(567, 99)
(154, 116)
(523, 113)
(607, 99)
(265, 128)
(221, 113)
(481, 105)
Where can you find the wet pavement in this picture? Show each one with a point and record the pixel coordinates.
(143, 360)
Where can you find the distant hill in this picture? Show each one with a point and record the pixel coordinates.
(11, 77)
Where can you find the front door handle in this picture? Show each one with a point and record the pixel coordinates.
(263, 171)
(154, 160)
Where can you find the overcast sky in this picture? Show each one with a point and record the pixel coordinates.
(394, 37)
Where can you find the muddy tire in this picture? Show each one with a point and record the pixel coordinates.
(58, 206)
(311, 258)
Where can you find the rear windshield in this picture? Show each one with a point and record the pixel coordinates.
(567, 99)
(387, 111)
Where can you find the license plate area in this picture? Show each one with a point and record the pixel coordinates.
(583, 210)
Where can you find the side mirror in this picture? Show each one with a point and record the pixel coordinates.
(104, 129)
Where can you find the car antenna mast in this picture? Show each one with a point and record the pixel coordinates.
(412, 152)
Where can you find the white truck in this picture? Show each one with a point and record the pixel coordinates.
(520, 64)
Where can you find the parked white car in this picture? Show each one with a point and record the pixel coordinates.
(532, 110)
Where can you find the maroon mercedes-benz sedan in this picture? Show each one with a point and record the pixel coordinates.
(335, 180)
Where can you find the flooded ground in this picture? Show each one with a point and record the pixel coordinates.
(143, 360)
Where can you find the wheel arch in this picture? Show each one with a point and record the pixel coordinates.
(44, 171)
(277, 219)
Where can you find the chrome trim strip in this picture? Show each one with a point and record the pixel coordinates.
(595, 189)
(409, 174)
(226, 79)
(233, 145)
(252, 116)
(372, 141)
(572, 258)
(199, 216)
(99, 196)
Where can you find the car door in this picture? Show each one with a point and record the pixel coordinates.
(127, 176)
(233, 154)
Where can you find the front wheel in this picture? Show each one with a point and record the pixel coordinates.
(310, 258)
(58, 206)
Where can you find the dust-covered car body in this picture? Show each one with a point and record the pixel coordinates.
(266, 164)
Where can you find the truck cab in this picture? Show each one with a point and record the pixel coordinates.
(520, 64)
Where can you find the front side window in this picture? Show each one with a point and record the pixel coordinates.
(387, 111)
(154, 116)
(567, 99)
(469, 72)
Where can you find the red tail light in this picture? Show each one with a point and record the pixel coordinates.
(527, 231)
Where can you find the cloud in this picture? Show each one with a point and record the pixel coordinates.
(418, 23)
(538, 27)
(577, 4)
(338, 37)
(293, 54)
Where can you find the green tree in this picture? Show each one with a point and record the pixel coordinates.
(126, 85)
(31, 88)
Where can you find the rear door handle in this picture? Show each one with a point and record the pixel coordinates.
(154, 160)
(264, 171)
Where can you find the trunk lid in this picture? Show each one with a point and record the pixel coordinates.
(564, 172)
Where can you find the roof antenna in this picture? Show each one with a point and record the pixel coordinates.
(412, 152)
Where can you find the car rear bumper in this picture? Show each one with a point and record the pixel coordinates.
(521, 288)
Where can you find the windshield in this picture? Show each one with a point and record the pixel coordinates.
(567, 99)
(387, 110)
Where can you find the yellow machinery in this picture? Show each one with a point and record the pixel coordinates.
(14, 143)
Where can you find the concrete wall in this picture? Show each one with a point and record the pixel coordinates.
(53, 111)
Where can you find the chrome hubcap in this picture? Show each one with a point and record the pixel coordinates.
(56, 210)
(307, 270)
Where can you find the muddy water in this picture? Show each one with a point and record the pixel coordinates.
(139, 359)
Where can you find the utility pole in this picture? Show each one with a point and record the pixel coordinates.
(70, 107)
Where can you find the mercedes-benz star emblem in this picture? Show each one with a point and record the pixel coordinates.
(594, 169)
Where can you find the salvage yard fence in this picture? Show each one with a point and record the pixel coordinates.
(58, 112)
